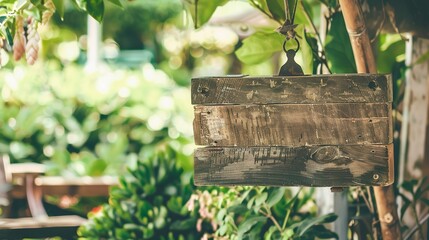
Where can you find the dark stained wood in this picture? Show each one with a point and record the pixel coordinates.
(348, 88)
(293, 124)
(324, 130)
(351, 165)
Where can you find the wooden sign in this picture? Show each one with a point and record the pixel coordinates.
(323, 130)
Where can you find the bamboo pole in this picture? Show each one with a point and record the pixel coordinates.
(365, 62)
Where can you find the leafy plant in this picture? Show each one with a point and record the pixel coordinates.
(94, 124)
(147, 204)
(262, 213)
(415, 192)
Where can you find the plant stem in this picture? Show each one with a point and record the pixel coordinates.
(285, 220)
(196, 13)
(286, 3)
(368, 200)
(410, 233)
(289, 210)
(307, 15)
(416, 217)
(321, 59)
(270, 216)
(263, 11)
(368, 189)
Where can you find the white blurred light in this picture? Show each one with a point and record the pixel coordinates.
(157, 121)
(4, 57)
(166, 102)
(68, 51)
(11, 123)
(112, 137)
(48, 151)
(124, 92)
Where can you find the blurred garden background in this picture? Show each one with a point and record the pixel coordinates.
(129, 114)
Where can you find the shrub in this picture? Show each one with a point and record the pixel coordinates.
(262, 213)
(148, 204)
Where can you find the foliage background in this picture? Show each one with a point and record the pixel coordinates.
(80, 123)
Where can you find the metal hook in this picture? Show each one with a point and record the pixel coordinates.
(291, 68)
(297, 43)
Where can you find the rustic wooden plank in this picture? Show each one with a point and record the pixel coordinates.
(344, 88)
(341, 166)
(293, 124)
(60, 226)
(82, 187)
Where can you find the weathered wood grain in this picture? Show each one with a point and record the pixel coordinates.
(341, 166)
(348, 88)
(293, 124)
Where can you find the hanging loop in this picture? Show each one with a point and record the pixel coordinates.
(297, 45)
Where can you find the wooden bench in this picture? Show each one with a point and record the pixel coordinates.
(25, 180)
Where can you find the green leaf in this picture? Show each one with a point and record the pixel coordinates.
(149, 231)
(97, 168)
(339, 51)
(261, 199)
(222, 230)
(322, 232)
(20, 150)
(174, 204)
(409, 185)
(182, 225)
(95, 8)
(249, 223)
(275, 195)
(306, 51)
(237, 209)
(122, 234)
(117, 3)
(36, 2)
(21, 4)
(202, 10)
(310, 222)
(221, 214)
(276, 8)
(259, 47)
(9, 36)
(131, 226)
(312, 42)
(330, 3)
(269, 234)
(260, 5)
(59, 7)
(390, 49)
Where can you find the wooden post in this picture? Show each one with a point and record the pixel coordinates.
(365, 62)
(94, 44)
(414, 154)
(417, 78)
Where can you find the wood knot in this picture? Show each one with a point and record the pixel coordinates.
(203, 90)
(329, 154)
(373, 85)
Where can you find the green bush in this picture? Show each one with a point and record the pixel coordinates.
(81, 123)
(262, 213)
(148, 204)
